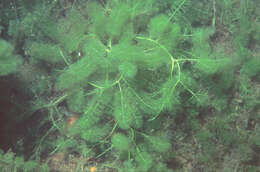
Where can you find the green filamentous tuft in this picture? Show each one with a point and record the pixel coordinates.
(77, 73)
(46, 52)
(135, 86)
(121, 142)
(9, 62)
(128, 70)
(95, 133)
(159, 144)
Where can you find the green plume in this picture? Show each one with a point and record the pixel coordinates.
(9, 62)
(121, 142)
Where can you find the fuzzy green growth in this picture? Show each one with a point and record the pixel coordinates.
(117, 20)
(158, 25)
(128, 70)
(121, 142)
(71, 30)
(136, 70)
(76, 101)
(126, 109)
(8, 61)
(159, 144)
(46, 52)
(96, 133)
(252, 67)
(144, 161)
(77, 73)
